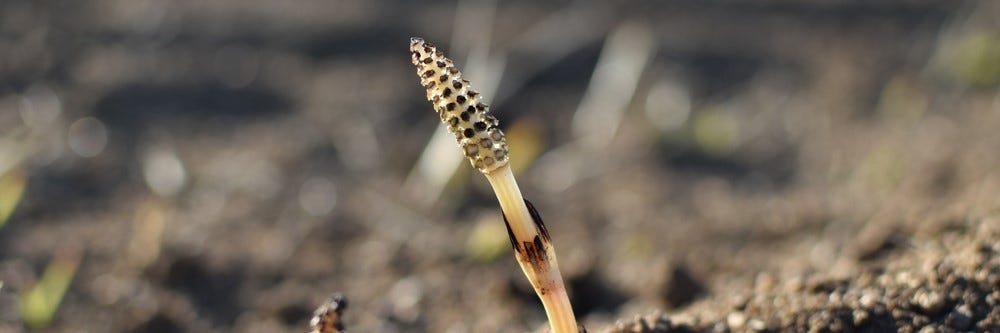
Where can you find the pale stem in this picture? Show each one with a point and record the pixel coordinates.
(545, 278)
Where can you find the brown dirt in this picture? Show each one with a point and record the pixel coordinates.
(837, 171)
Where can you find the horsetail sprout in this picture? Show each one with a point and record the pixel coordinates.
(480, 138)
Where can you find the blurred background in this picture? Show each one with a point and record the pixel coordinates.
(224, 166)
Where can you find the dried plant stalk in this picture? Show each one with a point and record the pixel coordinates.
(327, 318)
(479, 135)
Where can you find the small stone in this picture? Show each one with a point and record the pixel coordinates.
(736, 320)
(868, 299)
(835, 298)
(930, 303)
(860, 317)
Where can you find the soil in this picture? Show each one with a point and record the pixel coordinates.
(226, 166)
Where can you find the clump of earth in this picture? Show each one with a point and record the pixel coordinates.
(947, 281)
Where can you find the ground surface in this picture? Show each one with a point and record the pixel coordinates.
(225, 166)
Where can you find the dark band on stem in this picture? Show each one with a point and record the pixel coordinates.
(538, 221)
(510, 233)
(535, 251)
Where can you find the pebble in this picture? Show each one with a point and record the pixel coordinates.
(736, 320)
(860, 317)
(931, 303)
(868, 299)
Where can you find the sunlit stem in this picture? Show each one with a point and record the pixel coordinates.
(544, 275)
